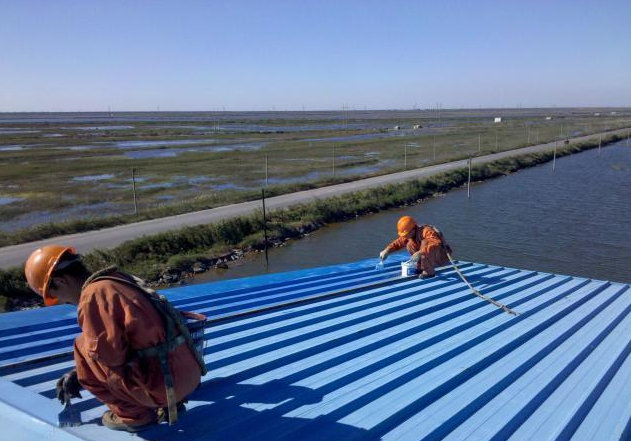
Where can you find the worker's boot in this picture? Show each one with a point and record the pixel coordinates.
(426, 275)
(114, 422)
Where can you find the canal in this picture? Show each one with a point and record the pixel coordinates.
(573, 220)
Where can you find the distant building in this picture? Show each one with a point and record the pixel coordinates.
(498, 119)
(548, 118)
(597, 114)
(417, 126)
(396, 128)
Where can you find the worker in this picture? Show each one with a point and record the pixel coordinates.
(130, 354)
(425, 243)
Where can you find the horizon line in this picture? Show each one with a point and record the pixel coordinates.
(343, 109)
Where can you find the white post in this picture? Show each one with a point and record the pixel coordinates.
(554, 158)
(469, 181)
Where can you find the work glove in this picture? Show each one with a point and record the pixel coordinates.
(384, 255)
(416, 257)
(68, 387)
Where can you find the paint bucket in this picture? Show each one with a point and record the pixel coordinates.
(408, 268)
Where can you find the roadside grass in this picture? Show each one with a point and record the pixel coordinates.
(44, 177)
(179, 250)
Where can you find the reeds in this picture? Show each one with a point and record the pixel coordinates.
(149, 257)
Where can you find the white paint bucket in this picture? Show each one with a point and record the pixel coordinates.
(408, 268)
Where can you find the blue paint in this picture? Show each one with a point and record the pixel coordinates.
(393, 358)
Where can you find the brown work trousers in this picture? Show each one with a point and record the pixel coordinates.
(116, 320)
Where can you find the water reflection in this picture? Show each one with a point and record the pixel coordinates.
(5, 200)
(571, 221)
(93, 177)
(169, 153)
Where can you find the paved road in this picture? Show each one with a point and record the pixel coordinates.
(15, 255)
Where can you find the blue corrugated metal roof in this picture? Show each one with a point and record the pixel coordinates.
(389, 358)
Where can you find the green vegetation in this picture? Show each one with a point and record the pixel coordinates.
(179, 251)
(41, 170)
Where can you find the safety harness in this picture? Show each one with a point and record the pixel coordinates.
(173, 322)
(448, 252)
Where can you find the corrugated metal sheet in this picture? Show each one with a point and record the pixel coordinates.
(390, 358)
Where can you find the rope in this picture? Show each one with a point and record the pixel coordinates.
(477, 293)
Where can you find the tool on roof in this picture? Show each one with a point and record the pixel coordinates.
(477, 293)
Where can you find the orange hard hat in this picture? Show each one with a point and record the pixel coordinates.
(40, 266)
(405, 225)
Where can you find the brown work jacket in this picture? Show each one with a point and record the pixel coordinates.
(117, 320)
(429, 242)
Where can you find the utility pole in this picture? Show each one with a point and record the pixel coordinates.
(133, 185)
(266, 171)
(264, 226)
(405, 156)
(469, 181)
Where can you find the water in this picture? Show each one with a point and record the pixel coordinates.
(5, 200)
(169, 153)
(141, 144)
(572, 221)
(90, 128)
(90, 178)
(100, 210)
(9, 131)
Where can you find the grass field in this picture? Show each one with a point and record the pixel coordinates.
(173, 255)
(64, 173)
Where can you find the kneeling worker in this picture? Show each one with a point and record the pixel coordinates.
(424, 242)
(133, 353)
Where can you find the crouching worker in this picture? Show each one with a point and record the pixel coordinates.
(425, 243)
(134, 353)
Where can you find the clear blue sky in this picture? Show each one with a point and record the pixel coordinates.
(81, 55)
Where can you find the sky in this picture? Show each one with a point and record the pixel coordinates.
(147, 55)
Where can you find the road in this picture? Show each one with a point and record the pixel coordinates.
(15, 255)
